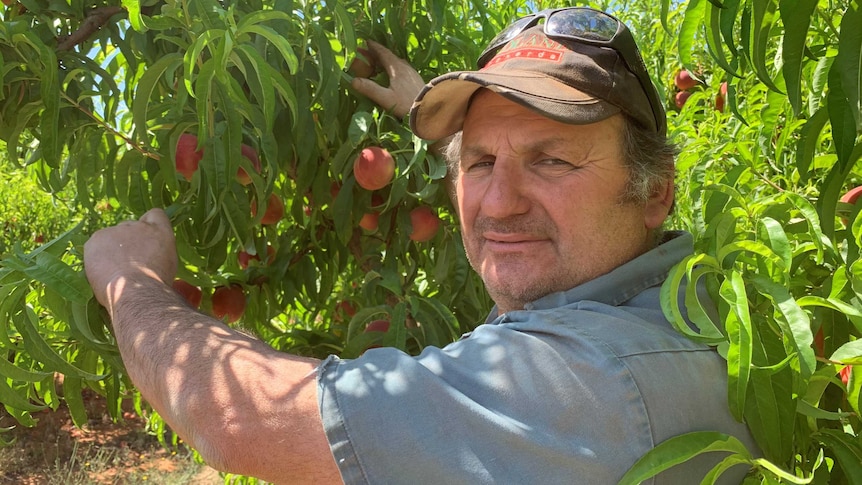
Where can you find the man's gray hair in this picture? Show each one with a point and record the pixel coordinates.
(650, 158)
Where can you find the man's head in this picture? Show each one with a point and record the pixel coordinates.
(574, 65)
(563, 172)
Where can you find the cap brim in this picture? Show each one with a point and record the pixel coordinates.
(440, 108)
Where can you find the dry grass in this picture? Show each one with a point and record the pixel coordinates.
(102, 452)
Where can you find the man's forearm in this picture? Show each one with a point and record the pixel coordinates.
(217, 388)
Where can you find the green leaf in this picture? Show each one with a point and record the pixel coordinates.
(345, 22)
(807, 409)
(343, 210)
(34, 342)
(259, 16)
(360, 127)
(781, 473)
(74, 400)
(847, 453)
(263, 77)
(849, 353)
(795, 325)
(208, 39)
(753, 247)
(669, 299)
(841, 115)
(11, 398)
(773, 232)
(280, 43)
(445, 320)
(851, 312)
(713, 34)
(729, 191)
(235, 208)
(796, 16)
(727, 22)
(11, 298)
(771, 407)
(809, 141)
(722, 466)
(144, 91)
(665, 4)
(80, 321)
(680, 449)
(397, 334)
(56, 274)
(848, 62)
(15, 373)
(49, 88)
(813, 219)
(763, 19)
(52, 272)
(688, 31)
(133, 7)
(738, 328)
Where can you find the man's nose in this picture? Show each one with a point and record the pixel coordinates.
(505, 194)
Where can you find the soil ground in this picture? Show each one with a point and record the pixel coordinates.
(55, 451)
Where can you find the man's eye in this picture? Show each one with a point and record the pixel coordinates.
(555, 162)
(481, 164)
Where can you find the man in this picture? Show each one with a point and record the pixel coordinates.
(576, 373)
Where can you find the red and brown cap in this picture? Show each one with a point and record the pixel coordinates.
(564, 80)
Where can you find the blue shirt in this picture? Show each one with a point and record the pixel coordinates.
(572, 389)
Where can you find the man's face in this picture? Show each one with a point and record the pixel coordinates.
(541, 202)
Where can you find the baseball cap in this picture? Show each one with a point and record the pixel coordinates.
(580, 66)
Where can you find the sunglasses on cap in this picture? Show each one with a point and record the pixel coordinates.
(586, 26)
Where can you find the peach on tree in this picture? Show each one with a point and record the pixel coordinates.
(228, 301)
(274, 210)
(374, 168)
(681, 98)
(370, 220)
(344, 308)
(362, 65)
(684, 80)
(425, 223)
(721, 97)
(377, 326)
(191, 293)
(245, 258)
(187, 156)
(249, 153)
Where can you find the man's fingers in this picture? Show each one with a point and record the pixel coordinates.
(384, 56)
(373, 91)
(158, 218)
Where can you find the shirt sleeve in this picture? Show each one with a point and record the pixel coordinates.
(459, 414)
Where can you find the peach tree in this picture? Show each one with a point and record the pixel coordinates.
(238, 119)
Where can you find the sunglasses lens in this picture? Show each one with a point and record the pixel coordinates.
(510, 32)
(504, 36)
(586, 24)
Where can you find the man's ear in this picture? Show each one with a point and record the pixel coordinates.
(659, 205)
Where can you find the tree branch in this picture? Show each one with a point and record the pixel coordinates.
(96, 18)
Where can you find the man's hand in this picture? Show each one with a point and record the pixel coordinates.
(404, 82)
(131, 249)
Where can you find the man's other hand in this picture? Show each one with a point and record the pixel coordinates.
(404, 82)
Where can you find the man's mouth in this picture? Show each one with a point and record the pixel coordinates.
(511, 241)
